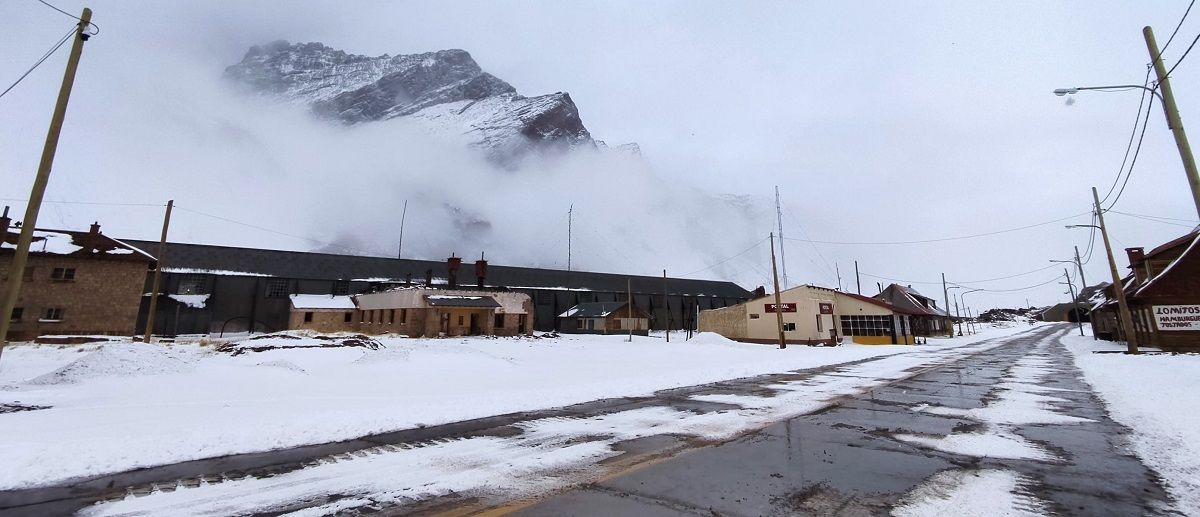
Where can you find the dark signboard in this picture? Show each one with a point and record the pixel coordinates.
(826, 308)
(784, 307)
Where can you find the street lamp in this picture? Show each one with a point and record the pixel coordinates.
(1122, 304)
(964, 299)
(957, 316)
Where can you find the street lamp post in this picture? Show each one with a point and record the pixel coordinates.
(1126, 317)
(964, 299)
(1082, 286)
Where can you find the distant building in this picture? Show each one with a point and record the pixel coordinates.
(251, 288)
(427, 312)
(74, 283)
(605, 318)
(927, 318)
(1163, 291)
(322, 313)
(808, 318)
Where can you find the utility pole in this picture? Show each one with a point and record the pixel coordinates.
(957, 315)
(667, 307)
(1074, 300)
(946, 297)
(857, 279)
(778, 302)
(21, 256)
(160, 259)
(782, 255)
(629, 307)
(1173, 120)
(1123, 305)
(1079, 264)
(570, 220)
(403, 213)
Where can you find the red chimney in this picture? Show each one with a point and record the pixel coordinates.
(1136, 256)
(480, 271)
(452, 265)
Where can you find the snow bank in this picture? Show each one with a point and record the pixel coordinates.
(1154, 395)
(965, 493)
(121, 360)
(202, 404)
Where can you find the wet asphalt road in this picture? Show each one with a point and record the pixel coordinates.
(845, 460)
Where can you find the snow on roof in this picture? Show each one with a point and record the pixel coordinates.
(452, 297)
(322, 301)
(195, 301)
(222, 272)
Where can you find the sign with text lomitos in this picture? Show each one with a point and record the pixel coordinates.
(1177, 317)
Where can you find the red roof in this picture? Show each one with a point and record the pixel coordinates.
(881, 303)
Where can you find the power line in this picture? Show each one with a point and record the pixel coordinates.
(1191, 221)
(1155, 219)
(69, 15)
(1177, 26)
(105, 203)
(939, 282)
(1132, 134)
(1035, 286)
(57, 45)
(1137, 151)
(943, 239)
(743, 252)
(277, 232)
(1182, 57)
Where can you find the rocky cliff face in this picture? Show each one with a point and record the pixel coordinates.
(446, 90)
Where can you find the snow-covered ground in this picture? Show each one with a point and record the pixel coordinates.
(115, 407)
(1155, 396)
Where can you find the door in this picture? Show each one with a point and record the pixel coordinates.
(445, 323)
(474, 324)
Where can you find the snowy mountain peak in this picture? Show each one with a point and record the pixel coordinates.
(447, 90)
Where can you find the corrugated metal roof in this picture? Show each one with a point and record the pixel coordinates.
(327, 266)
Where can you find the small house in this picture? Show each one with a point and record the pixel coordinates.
(605, 318)
(322, 312)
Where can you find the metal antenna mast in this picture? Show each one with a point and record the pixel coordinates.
(782, 255)
(403, 213)
(570, 218)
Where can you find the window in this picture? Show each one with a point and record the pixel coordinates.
(499, 323)
(63, 274)
(277, 288)
(460, 320)
(341, 288)
(370, 316)
(53, 314)
(16, 314)
(403, 315)
(308, 317)
(753, 316)
(867, 325)
(193, 284)
(362, 316)
(819, 329)
(788, 327)
(349, 317)
(617, 324)
(28, 273)
(392, 317)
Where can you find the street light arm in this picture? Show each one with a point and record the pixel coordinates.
(1071, 91)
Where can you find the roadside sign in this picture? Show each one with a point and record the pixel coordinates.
(1177, 317)
(783, 307)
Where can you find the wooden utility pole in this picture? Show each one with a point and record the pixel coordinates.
(1173, 120)
(946, 297)
(1074, 301)
(160, 260)
(629, 307)
(857, 279)
(778, 302)
(16, 270)
(667, 307)
(1122, 305)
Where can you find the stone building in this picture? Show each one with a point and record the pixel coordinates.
(927, 318)
(74, 283)
(416, 312)
(322, 313)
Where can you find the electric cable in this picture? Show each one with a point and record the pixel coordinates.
(40, 60)
(944, 239)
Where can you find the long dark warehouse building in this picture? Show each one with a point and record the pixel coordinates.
(212, 289)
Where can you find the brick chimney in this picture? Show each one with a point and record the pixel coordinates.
(5, 222)
(95, 228)
(480, 271)
(1136, 257)
(452, 265)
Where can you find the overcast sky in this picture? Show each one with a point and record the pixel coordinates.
(879, 121)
